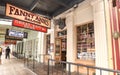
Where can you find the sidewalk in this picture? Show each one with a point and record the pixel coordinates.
(13, 66)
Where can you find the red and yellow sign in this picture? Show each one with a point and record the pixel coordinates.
(18, 13)
(7, 41)
(22, 24)
(13, 38)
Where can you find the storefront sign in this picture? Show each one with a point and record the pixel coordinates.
(7, 41)
(18, 13)
(16, 33)
(13, 38)
(22, 24)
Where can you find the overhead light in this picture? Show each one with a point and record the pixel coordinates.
(75, 6)
(8, 20)
(5, 23)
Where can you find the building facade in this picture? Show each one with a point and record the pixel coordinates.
(96, 48)
(90, 36)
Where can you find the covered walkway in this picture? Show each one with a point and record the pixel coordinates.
(13, 66)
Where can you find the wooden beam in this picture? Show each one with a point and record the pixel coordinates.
(33, 5)
(60, 3)
(70, 5)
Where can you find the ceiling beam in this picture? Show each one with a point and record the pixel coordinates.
(60, 3)
(34, 4)
(42, 13)
(2, 10)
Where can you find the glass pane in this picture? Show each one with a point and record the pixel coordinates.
(85, 42)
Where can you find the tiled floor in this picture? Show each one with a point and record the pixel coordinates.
(13, 66)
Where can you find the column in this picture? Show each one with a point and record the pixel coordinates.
(100, 35)
(70, 39)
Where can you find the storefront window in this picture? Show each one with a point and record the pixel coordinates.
(62, 33)
(47, 44)
(86, 42)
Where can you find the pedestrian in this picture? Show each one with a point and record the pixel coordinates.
(0, 52)
(7, 53)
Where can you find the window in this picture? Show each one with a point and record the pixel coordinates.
(62, 33)
(47, 44)
(86, 42)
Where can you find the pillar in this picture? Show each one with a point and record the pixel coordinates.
(71, 49)
(100, 35)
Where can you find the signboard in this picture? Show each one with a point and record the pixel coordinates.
(7, 41)
(13, 38)
(18, 13)
(16, 33)
(22, 24)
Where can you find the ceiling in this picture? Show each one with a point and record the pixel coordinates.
(49, 8)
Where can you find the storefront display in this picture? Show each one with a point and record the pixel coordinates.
(86, 42)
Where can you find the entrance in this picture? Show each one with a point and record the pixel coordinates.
(61, 46)
(63, 49)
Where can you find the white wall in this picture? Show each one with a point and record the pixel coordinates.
(83, 13)
(32, 35)
(100, 35)
(70, 39)
(36, 36)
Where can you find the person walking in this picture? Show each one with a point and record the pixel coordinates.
(7, 53)
(0, 52)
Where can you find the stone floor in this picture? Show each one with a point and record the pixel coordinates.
(13, 66)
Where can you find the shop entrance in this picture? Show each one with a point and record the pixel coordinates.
(60, 49)
(61, 46)
(63, 49)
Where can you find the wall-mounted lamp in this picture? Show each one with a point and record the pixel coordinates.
(116, 35)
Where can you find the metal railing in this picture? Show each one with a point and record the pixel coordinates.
(18, 55)
(65, 68)
(29, 61)
(43, 56)
(43, 61)
(37, 66)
